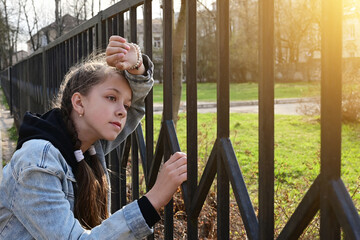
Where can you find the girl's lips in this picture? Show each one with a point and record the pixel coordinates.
(116, 124)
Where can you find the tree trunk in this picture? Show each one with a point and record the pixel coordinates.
(7, 24)
(33, 43)
(178, 44)
(16, 37)
(57, 18)
(85, 10)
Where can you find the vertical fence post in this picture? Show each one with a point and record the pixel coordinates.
(191, 110)
(134, 167)
(222, 26)
(100, 33)
(266, 119)
(167, 89)
(149, 117)
(10, 91)
(331, 71)
(91, 41)
(133, 25)
(76, 55)
(149, 123)
(44, 79)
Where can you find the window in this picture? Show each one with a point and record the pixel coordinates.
(43, 41)
(157, 42)
(351, 33)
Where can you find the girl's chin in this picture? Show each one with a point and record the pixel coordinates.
(111, 138)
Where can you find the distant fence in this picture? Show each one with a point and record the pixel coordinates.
(31, 84)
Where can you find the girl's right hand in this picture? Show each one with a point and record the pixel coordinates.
(172, 174)
(123, 55)
(116, 51)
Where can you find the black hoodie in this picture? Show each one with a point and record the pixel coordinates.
(51, 127)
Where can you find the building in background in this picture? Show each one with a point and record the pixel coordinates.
(49, 33)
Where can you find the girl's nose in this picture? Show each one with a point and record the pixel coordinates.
(121, 111)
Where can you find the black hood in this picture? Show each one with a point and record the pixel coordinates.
(51, 127)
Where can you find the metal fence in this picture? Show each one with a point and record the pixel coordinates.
(31, 84)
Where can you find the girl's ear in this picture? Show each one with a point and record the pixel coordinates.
(77, 104)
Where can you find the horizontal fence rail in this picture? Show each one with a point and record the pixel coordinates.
(31, 85)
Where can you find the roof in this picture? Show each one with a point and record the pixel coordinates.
(68, 22)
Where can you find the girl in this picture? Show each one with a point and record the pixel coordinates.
(56, 184)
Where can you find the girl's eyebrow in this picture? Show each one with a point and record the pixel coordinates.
(118, 92)
(114, 89)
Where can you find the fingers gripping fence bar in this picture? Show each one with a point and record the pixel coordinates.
(32, 83)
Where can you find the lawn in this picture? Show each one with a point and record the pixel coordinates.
(3, 99)
(297, 155)
(245, 91)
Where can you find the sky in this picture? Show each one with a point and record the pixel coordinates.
(47, 14)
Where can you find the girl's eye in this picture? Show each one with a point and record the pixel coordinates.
(127, 107)
(111, 98)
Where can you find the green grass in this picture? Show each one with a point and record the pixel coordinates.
(13, 135)
(3, 99)
(245, 91)
(297, 155)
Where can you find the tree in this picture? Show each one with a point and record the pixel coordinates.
(31, 27)
(178, 45)
(297, 29)
(10, 32)
(79, 9)
(206, 57)
(243, 40)
(3, 43)
(58, 18)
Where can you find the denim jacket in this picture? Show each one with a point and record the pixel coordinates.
(37, 195)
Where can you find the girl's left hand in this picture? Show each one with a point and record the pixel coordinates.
(122, 55)
(172, 174)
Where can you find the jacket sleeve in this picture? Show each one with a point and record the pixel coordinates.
(47, 214)
(140, 86)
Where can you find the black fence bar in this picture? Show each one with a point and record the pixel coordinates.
(223, 120)
(140, 140)
(167, 89)
(266, 119)
(149, 117)
(331, 55)
(191, 110)
(123, 163)
(303, 214)
(71, 60)
(133, 25)
(76, 52)
(80, 43)
(90, 39)
(344, 209)
(114, 175)
(134, 168)
(32, 84)
(85, 43)
(109, 28)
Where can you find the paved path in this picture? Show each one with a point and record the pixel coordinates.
(7, 147)
(289, 106)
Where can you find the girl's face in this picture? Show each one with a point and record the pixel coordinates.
(104, 109)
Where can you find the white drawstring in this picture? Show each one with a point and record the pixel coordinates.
(79, 155)
(92, 150)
